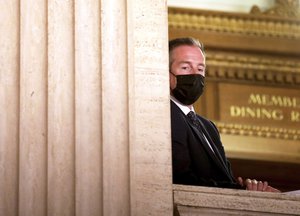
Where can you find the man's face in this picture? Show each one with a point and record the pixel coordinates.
(186, 60)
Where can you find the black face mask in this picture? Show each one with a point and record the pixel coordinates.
(189, 88)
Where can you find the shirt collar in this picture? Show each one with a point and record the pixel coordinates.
(184, 108)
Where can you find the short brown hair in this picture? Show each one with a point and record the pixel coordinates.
(189, 41)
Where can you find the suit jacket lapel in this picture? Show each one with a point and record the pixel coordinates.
(222, 160)
(213, 155)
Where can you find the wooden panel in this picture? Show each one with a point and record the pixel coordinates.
(256, 147)
(61, 121)
(208, 103)
(9, 106)
(278, 174)
(88, 109)
(259, 105)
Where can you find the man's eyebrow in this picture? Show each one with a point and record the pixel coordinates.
(189, 62)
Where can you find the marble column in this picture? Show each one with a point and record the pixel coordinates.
(84, 107)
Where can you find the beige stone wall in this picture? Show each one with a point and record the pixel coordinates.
(84, 108)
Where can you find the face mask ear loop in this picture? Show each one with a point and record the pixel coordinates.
(172, 74)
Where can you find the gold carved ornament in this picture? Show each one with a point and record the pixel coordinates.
(241, 24)
(259, 131)
(251, 68)
(282, 8)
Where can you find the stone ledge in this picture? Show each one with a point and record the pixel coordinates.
(196, 200)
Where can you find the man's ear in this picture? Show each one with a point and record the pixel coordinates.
(172, 81)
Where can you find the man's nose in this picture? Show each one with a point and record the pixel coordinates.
(194, 70)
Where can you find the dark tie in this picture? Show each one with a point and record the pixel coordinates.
(196, 122)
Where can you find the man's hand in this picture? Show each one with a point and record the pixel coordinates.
(254, 185)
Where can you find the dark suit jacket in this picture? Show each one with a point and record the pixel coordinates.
(194, 163)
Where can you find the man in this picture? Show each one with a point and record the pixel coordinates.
(197, 152)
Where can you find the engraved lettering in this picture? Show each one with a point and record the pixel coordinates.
(295, 116)
(257, 113)
(274, 100)
(256, 99)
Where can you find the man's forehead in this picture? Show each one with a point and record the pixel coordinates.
(187, 50)
(180, 47)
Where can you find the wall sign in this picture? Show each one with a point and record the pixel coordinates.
(267, 106)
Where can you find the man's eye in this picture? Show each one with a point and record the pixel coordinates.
(185, 68)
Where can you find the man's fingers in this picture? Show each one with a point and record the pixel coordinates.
(240, 181)
(260, 186)
(248, 184)
(254, 185)
(271, 189)
(265, 185)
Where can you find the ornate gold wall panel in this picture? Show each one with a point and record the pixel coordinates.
(253, 68)
(239, 24)
(259, 51)
(232, 30)
(282, 8)
(259, 131)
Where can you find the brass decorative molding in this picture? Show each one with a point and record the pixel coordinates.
(258, 131)
(282, 8)
(253, 68)
(234, 23)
